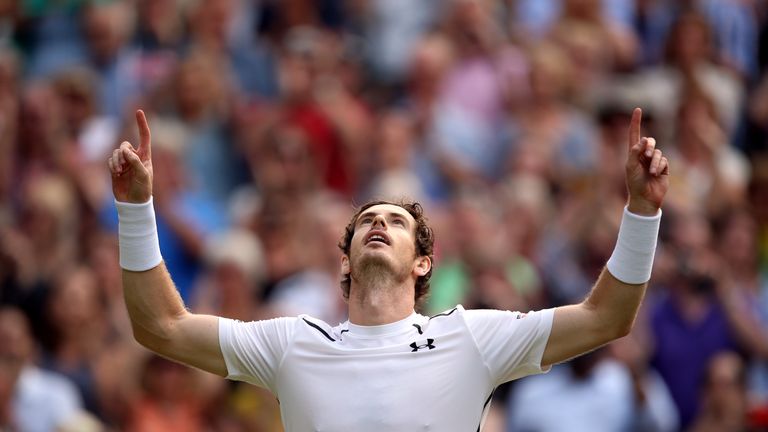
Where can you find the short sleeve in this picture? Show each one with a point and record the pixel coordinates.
(254, 350)
(511, 343)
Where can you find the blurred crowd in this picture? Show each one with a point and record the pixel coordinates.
(507, 119)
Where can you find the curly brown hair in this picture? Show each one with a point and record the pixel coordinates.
(425, 241)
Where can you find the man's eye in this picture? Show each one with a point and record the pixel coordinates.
(399, 222)
(366, 221)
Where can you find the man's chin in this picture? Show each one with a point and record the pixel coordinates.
(374, 259)
(376, 264)
(377, 270)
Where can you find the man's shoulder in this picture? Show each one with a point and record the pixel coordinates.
(283, 321)
(461, 314)
(312, 324)
(454, 311)
(278, 329)
(480, 320)
(445, 320)
(501, 313)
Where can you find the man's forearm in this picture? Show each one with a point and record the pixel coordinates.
(610, 310)
(607, 314)
(620, 289)
(150, 296)
(162, 324)
(153, 304)
(615, 303)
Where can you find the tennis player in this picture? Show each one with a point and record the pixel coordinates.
(387, 368)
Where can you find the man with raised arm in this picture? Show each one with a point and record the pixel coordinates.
(387, 368)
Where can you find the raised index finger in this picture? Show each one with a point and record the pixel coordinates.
(145, 146)
(634, 127)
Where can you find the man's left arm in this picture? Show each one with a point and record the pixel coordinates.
(609, 311)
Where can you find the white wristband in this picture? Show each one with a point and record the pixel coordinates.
(632, 258)
(137, 234)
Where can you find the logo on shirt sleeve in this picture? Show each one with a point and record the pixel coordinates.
(429, 345)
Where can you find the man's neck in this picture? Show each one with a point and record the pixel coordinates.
(377, 305)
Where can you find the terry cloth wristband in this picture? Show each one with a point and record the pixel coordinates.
(632, 258)
(137, 234)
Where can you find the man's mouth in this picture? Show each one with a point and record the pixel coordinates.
(377, 236)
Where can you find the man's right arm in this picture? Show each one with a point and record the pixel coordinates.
(159, 319)
(162, 324)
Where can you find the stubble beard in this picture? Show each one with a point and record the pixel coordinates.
(373, 275)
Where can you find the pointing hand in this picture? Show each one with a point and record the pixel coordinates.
(647, 171)
(131, 168)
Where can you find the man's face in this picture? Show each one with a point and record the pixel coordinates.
(15, 340)
(384, 243)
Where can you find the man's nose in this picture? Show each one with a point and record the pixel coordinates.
(379, 220)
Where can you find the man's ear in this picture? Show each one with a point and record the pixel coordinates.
(344, 265)
(423, 265)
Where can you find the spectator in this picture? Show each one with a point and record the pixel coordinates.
(52, 36)
(395, 169)
(463, 134)
(688, 325)
(107, 27)
(392, 27)
(49, 219)
(77, 339)
(481, 269)
(713, 174)
(589, 393)
(225, 30)
(758, 118)
(235, 273)
(587, 18)
(690, 55)
(300, 70)
(724, 396)
(536, 17)
(549, 129)
(32, 399)
(200, 101)
(736, 29)
(88, 136)
(742, 292)
(9, 101)
(167, 402)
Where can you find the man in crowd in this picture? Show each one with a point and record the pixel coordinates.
(387, 368)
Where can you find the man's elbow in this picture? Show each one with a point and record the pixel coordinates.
(610, 326)
(622, 329)
(611, 332)
(157, 338)
(614, 328)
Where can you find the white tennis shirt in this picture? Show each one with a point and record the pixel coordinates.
(421, 373)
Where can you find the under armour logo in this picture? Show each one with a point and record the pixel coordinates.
(426, 345)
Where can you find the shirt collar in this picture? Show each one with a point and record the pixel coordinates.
(396, 327)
